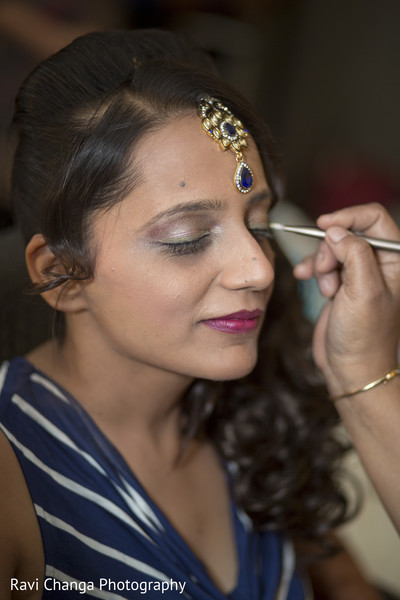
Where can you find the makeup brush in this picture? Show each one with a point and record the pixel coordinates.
(311, 231)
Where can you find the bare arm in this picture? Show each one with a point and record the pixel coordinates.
(339, 578)
(357, 335)
(20, 541)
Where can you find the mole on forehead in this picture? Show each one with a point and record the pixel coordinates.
(182, 183)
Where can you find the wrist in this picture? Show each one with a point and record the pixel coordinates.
(382, 380)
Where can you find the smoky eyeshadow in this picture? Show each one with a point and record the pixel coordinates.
(180, 229)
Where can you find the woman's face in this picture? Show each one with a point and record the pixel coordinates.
(182, 279)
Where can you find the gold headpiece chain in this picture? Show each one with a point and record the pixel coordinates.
(229, 132)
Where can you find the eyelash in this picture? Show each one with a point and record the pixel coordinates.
(194, 246)
(262, 232)
(191, 247)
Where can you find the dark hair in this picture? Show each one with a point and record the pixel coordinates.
(80, 116)
(281, 431)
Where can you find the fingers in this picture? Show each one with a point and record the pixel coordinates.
(371, 219)
(361, 273)
(358, 330)
(345, 259)
(324, 266)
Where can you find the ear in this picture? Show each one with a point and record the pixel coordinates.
(66, 297)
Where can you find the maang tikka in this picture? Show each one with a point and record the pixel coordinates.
(229, 132)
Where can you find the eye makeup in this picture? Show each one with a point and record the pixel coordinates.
(261, 232)
(191, 234)
(182, 236)
(181, 248)
(257, 220)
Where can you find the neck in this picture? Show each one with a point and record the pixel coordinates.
(119, 393)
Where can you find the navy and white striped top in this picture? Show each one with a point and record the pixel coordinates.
(103, 536)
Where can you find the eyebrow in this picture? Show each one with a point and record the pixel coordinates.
(201, 205)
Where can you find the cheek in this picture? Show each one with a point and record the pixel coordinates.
(155, 295)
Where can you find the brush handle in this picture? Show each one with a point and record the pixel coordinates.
(315, 232)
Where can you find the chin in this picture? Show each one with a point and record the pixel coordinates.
(237, 374)
(233, 369)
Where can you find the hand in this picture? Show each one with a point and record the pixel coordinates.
(357, 334)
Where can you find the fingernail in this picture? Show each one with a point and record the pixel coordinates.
(324, 284)
(336, 234)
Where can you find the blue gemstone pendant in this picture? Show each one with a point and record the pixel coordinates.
(243, 177)
(218, 121)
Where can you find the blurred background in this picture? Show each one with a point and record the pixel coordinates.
(325, 75)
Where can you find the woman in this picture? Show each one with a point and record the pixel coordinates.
(130, 467)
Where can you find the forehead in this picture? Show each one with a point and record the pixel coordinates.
(181, 160)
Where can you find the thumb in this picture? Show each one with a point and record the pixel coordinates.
(360, 270)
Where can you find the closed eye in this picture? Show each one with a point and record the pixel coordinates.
(262, 233)
(187, 247)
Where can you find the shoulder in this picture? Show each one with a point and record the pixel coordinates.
(22, 385)
(14, 379)
(15, 386)
(20, 541)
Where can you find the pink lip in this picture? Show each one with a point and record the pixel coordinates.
(242, 321)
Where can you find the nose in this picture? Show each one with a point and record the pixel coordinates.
(248, 264)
